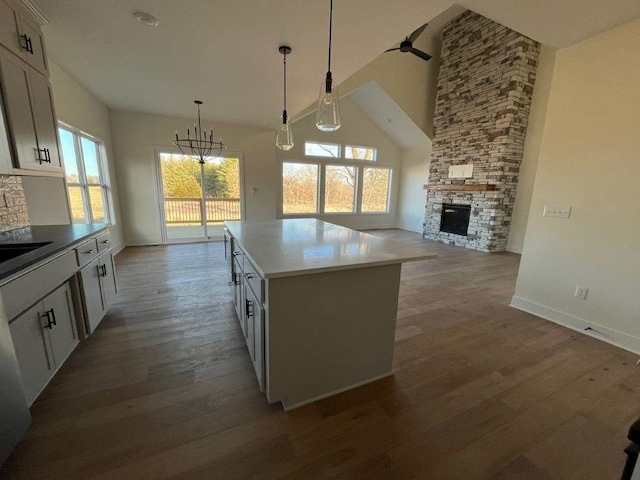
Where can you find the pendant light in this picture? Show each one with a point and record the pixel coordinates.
(199, 145)
(284, 136)
(328, 115)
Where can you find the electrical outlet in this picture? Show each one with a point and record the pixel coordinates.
(8, 200)
(557, 211)
(581, 292)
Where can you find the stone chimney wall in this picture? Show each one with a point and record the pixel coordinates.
(485, 84)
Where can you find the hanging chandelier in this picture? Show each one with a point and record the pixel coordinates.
(328, 115)
(284, 136)
(199, 144)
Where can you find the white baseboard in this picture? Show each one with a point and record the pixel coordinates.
(517, 250)
(409, 228)
(609, 335)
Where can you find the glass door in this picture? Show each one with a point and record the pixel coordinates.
(197, 198)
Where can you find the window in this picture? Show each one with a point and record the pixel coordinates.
(299, 188)
(339, 189)
(375, 190)
(360, 153)
(335, 184)
(315, 149)
(87, 184)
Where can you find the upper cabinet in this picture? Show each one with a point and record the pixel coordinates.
(21, 34)
(26, 95)
(31, 118)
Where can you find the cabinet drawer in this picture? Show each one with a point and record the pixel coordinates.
(104, 241)
(86, 252)
(238, 255)
(254, 280)
(24, 291)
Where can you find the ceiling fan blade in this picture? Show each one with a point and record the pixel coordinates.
(423, 55)
(391, 50)
(412, 38)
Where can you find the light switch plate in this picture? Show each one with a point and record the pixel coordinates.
(558, 211)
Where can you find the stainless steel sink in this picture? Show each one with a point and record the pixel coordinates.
(13, 250)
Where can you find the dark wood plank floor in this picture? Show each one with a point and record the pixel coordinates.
(165, 389)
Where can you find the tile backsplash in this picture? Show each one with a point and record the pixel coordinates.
(13, 205)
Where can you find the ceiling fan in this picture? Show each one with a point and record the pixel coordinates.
(407, 44)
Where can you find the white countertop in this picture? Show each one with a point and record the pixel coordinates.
(281, 248)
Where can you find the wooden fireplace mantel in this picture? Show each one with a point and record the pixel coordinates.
(467, 187)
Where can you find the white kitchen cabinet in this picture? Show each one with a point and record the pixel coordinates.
(99, 288)
(30, 115)
(43, 338)
(255, 334)
(21, 33)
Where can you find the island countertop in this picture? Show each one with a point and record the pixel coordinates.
(281, 248)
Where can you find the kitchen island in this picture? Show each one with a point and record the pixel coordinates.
(317, 304)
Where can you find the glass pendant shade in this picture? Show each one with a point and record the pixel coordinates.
(328, 116)
(284, 135)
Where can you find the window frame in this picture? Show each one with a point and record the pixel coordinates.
(83, 184)
(375, 153)
(319, 188)
(340, 150)
(389, 183)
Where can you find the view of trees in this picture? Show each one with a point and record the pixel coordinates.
(300, 188)
(181, 177)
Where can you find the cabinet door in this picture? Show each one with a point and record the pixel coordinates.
(44, 118)
(63, 336)
(91, 295)
(9, 22)
(238, 295)
(35, 56)
(255, 337)
(32, 350)
(15, 84)
(107, 280)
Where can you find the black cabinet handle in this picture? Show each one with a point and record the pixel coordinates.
(249, 276)
(248, 305)
(28, 46)
(49, 322)
(102, 270)
(50, 315)
(105, 241)
(46, 159)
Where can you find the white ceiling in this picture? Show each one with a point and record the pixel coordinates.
(226, 52)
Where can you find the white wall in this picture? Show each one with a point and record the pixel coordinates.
(136, 135)
(412, 197)
(589, 160)
(533, 140)
(76, 106)
(357, 129)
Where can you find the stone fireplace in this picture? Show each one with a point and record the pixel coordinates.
(485, 84)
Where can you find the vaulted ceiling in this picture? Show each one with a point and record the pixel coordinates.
(226, 52)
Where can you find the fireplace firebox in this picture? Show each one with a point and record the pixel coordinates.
(455, 218)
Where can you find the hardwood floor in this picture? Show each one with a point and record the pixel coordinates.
(165, 388)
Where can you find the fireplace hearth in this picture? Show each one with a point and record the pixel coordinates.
(455, 218)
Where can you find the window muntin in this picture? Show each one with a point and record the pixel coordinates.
(317, 149)
(339, 189)
(87, 186)
(353, 152)
(299, 188)
(375, 189)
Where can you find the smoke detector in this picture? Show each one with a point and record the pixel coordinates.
(146, 19)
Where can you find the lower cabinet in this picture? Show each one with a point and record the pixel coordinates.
(255, 333)
(43, 338)
(98, 282)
